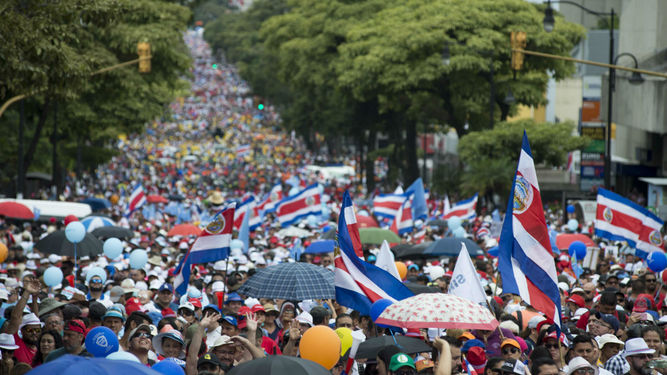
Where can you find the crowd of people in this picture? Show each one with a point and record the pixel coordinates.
(613, 313)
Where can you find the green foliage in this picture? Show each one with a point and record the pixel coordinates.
(347, 68)
(53, 48)
(491, 155)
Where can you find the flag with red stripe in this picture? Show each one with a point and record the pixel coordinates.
(525, 260)
(137, 199)
(358, 283)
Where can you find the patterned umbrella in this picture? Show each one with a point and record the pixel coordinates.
(437, 310)
(292, 281)
(93, 222)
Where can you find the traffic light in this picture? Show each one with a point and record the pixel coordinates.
(144, 52)
(517, 41)
(214, 66)
(260, 106)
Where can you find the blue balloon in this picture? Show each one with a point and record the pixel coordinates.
(138, 258)
(657, 261)
(113, 248)
(572, 225)
(578, 248)
(53, 276)
(101, 341)
(75, 232)
(96, 271)
(236, 244)
(454, 222)
(494, 251)
(460, 232)
(378, 307)
(570, 209)
(166, 367)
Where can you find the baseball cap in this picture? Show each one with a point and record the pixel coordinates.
(577, 300)
(113, 314)
(511, 342)
(166, 286)
(534, 321)
(401, 360)
(208, 359)
(466, 335)
(187, 305)
(231, 320)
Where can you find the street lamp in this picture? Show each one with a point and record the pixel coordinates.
(549, 23)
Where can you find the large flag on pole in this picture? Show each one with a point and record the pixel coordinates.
(465, 209)
(419, 207)
(525, 260)
(620, 219)
(211, 245)
(465, 282)
(137, 199)
(358, 283)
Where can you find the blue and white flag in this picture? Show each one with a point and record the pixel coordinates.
(137, 199)
(419, 206)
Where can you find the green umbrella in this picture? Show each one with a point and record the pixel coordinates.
(375, 236)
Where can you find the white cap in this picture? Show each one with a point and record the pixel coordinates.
(187, 305)
(219, 265)
(580, 311)
(534, 321)
(218, 286)
(141, 285)
(305, 318)
(563, 286)
(436, 272)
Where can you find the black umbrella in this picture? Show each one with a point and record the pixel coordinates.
(280, 365)
(116, 232)
(419, 288)
(404, 251)
(409, 345)
(450, 246)
(329, 235)
(57, 243)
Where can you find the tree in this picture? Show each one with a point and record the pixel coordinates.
(491, 155)
(52, 48)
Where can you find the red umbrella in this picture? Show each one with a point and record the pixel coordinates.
(564, 240)
(366, 222)
(156, 199)
(16, 210)
(184, 230)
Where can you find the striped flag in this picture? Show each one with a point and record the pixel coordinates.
(306, 202)
(247, 207)
(620, 219)
(136, 200)
(464, 209)
(358, 283)
(243, 150)
(387, 205)
(525, 260)
(403, 222)
(275, 195)
(211, 245)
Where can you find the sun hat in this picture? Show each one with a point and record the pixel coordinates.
(305, 318)
(222, 340)
(171, 334)
(7, 342)
(636, 346)
(608, 338)
(401, 360)
(30, 319)
(578, 363)
(49, 304)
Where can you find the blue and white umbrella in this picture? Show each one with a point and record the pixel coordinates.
(92, 222)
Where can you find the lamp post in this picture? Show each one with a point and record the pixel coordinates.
(549, 22)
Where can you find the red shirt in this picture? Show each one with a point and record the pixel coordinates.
(23, 353)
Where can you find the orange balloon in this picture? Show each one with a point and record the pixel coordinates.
(402, 270)
(322, 345)
(3, 252)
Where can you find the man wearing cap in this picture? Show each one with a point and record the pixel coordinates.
(139, 343)
(402, 364)
(510, 349)
(187, 311)
(230, 326)
(610, 346)
(73, 338)
(209, 363)
(114, 319)
(585, 346)
(234, 303)
(165, 298)
(638, 354)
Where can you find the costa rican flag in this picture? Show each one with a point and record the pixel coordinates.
(247, 207)
(243, 150)
(136, 200)
(211, 245)
(620, 219)
(358, 283)
(306, 202)
(387, 205)
(463, 209)
(525, 261)
(275, 195)
(403, 221)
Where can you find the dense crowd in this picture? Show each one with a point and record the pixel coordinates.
(613, 312)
